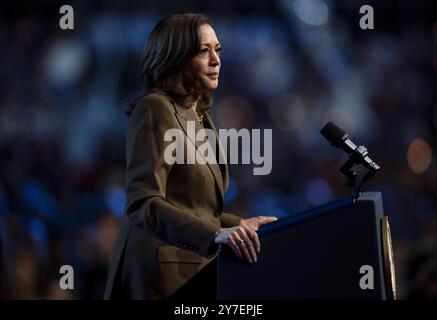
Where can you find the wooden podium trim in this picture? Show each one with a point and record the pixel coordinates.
(390, 277)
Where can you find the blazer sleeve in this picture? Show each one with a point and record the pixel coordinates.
(229, 220)
(146, 176)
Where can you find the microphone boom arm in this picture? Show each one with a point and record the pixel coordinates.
(356, 158)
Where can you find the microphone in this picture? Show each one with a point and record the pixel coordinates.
(340, 139)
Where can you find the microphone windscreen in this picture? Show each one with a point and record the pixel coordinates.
(333, 134)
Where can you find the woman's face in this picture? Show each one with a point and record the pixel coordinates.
(206, 63)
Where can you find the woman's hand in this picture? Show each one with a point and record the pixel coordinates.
(243, 238)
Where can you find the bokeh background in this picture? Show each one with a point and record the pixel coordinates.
(288, 65)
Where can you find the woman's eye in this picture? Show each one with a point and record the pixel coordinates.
(205, 51)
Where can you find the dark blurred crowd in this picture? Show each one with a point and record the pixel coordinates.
(286, 65)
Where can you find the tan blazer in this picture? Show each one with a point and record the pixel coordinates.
(172, 211)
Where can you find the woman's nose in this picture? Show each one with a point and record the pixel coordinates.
(214, 59)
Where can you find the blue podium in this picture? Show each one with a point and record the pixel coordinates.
(341, 250)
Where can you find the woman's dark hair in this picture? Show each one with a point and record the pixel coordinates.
(164, 64)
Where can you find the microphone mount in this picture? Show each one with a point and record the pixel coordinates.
(347, 170)
(357, 155)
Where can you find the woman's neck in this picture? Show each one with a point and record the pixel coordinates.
(194, 106)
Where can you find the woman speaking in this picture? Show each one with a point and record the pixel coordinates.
(174, 219)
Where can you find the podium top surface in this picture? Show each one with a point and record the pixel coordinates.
(320, 211)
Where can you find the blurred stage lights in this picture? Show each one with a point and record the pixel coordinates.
(344, 118)
(38, 230)
(115, 199)
(419, 156)
(311, 12)
(235, 112)
(271, 71)
(287, 111)
(65, 62)
(318, 192)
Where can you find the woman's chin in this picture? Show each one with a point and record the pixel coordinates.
(212, 85)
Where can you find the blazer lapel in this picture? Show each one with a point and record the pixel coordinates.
(184, 115)
(222, 154)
